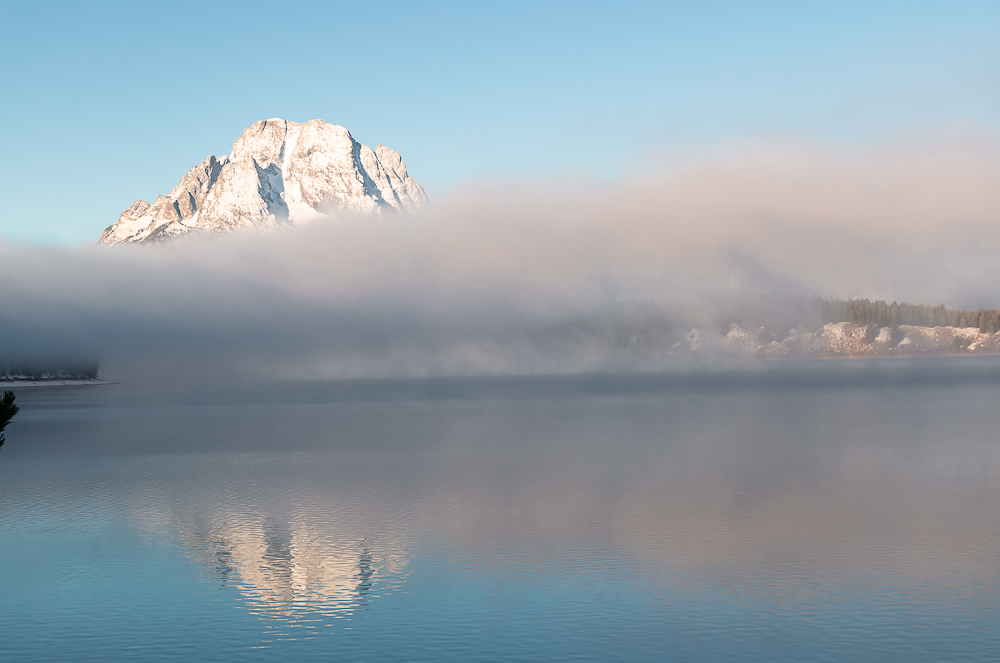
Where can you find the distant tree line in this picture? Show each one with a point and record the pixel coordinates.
(880, 314)
(37, 371)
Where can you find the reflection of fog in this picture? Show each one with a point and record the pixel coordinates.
(818, 493)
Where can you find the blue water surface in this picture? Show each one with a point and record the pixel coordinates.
(823, 511)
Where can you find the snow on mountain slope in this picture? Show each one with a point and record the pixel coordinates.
(278, 173)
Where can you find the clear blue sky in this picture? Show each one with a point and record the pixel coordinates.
(105, 102)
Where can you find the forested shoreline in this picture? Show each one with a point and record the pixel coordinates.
(760, 322)
(879, 313)
(11, 372)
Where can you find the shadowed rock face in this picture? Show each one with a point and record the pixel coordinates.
(278, 173)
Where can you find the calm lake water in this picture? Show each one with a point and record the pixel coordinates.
(828, 511)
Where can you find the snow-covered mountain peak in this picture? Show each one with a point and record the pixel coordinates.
(278, 173)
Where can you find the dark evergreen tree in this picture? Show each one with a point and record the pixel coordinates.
(8, 408)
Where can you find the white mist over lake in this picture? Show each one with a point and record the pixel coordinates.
(526, 277)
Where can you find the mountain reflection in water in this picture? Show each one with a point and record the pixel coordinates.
(286, 570)
(293, 556)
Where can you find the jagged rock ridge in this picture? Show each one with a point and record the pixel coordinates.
(278, 173)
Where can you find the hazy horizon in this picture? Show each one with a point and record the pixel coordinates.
(530, 276)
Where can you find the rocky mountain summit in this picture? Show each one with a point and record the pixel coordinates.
(278, 173)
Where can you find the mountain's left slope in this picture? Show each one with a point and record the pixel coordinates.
(278, 173)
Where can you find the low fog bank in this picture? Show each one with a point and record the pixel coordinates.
(526, 277)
